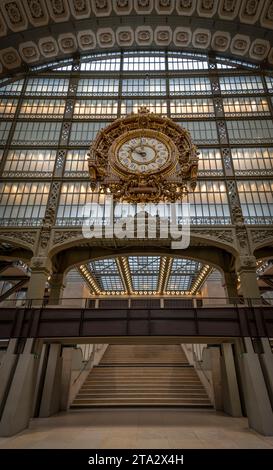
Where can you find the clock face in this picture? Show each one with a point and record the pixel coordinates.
(143, 154)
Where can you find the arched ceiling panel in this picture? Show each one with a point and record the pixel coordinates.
(37, 31)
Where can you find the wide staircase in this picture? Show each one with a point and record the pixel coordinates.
(141, 375)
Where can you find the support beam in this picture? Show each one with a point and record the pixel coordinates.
(4, 265)
(125, 273)
(89, 279)
(201, 278)
(14, 288)
(164, 274)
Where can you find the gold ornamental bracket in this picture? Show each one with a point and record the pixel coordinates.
(143, 157)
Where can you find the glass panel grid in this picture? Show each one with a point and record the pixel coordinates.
(243, 131)
(4, 131)
(241, 84)
(190, 107)
(76, 163)
(95, 109)
(13, 89)
(144, 272)
(112, 283)
(189, 86)
(30, 163)
(144, 264)
(82, 133)
(47, 86)
(181, 64)
(252, 161)
(101, 65)
(77, 196)
(155, 106)
(179, 283)
(245, 106)
(269, 84)
(42, 108)
(33, 133)
(256, 199)
(182, 266)
(202, 132)
(145, 283)
(8, 107)
(143, 86)
(209, 203)
(98, 86)
(107, 274)
(210, 162)
(143, 63)
(23, 203)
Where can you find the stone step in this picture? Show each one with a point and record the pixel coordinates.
(141, 388)
(140, 394)
(141, 401)
(141, 375)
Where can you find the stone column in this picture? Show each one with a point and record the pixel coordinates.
(56, 288)
(231, 282)
(18, 407)
(230, 390)
(50, 402)
(67, 357)
(40, 271)
(7, 367)
(246, 269)
(256, 398)
(214, 360)
(266, 359)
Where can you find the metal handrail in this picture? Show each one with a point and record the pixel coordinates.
(197, 302)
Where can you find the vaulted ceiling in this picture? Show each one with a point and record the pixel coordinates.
(38, 31)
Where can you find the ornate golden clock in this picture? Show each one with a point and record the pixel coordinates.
(143, 157)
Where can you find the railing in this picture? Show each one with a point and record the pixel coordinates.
(138, 317)
(118, 302)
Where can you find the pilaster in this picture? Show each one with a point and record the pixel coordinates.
(246, 270)
(40, 271)
(57, 286)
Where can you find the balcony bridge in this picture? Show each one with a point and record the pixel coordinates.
(184, 319)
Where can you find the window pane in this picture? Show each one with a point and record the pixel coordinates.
(82, 133)
(242, 131)
(33, 133)
(47, 86)
(42, 108)
(29, 163)
(256, 201)
(23, 203)
(76, 163)
(144, 86)
(89, 86)
(190, 86)
(244, 84)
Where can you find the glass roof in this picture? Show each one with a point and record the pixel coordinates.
(106, 274)
(143, 275)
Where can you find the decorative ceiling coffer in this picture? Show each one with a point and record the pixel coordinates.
(143, 157)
